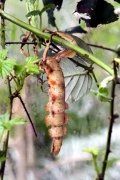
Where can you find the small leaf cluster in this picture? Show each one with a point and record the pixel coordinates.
(17, 72)
(94, 152)
(6, 125)
(6, 65)
(102, 93)
(38, 12)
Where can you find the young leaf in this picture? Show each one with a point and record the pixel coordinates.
(32, 69)
(45, 8)
(18, 120)
(102, 92)
(38, 12)
(3, 118)
(2, 159)
(6, 66)
(58, 3)
(33, 13)
(93, 151)
(32, 59)
(19, 69)
(15, 121)
(3, 54)
(112, 162)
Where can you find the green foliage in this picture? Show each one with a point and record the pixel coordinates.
(93, 151)
(6, 124)
(19, 70)
(102, 92)
(22, 71)
(111, 162)
(15, 121)
(3, 54)
(6, 66)
(78, 78)
(31, 68)
(38, 12)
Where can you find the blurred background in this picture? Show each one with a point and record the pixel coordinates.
(29, 157)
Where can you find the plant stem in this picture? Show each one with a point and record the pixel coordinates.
(3, 28)
(59, 41)
(40, 22)
(102, 47)
(95, 164)
(112, 118)
(77, 74)
(5, 146)
(27, 114)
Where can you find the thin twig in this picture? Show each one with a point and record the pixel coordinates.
(27, 114)
(112, 118)
(2, 4)
(20, 43)
(5, 146)
(95, 79)
(102, 47)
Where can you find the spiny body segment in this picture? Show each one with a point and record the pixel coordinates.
(56, 105)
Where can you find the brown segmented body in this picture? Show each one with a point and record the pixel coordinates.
(56, 106)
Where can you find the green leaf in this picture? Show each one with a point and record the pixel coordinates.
(32, 59)
(19, 69)
(32, 69)
(38, 12)
(84, 46)
(45, 8)
(3, 54)
(2, 159)
(102, 92)
(111, 162)
(15, 121)
(33, 13)
(2, 29)
(6, 67)
(3, 119)
(18, 120)
(103, 98)
(77, 81)
(2, 153)
(93, 151)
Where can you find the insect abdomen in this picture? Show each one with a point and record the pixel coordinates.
(56, 105)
